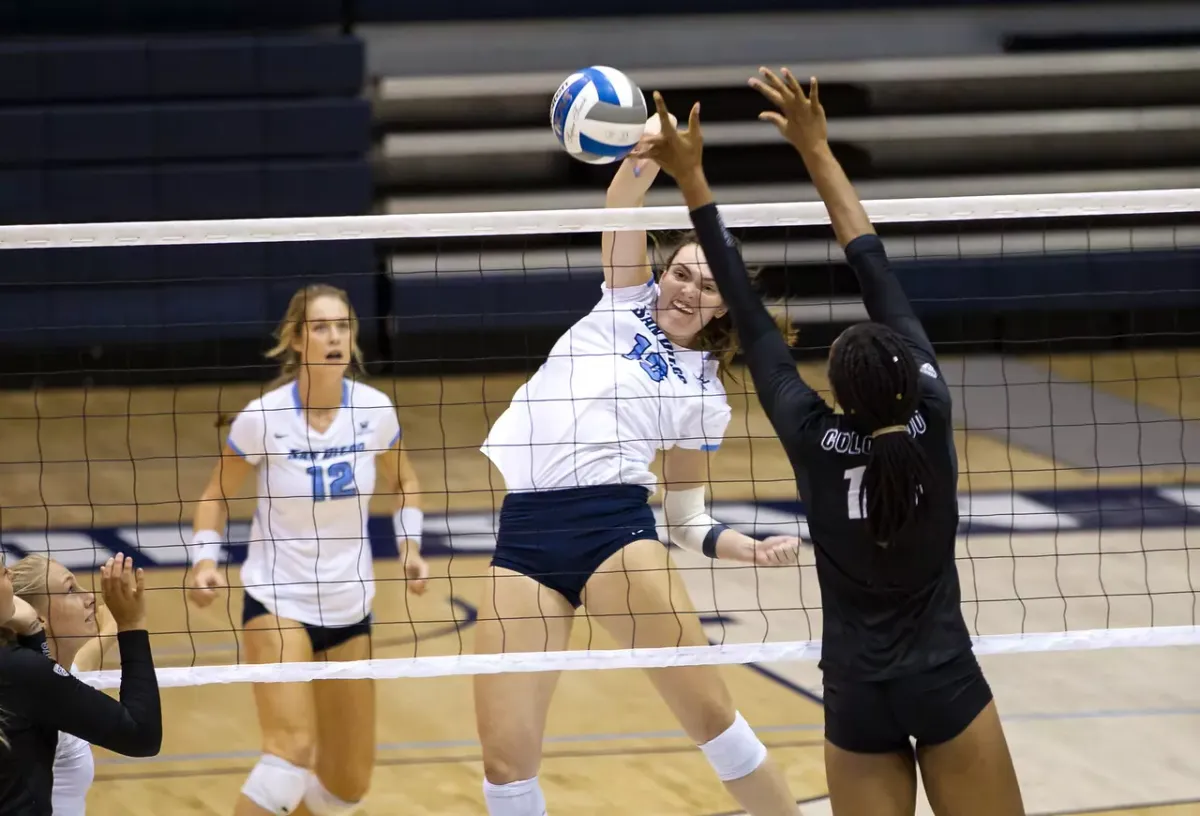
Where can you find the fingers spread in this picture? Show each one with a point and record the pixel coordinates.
(776, 83)
(770, 93)
(793, 84)
(774, 118)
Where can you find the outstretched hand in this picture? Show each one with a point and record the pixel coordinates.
(800, 118)
(680, 153)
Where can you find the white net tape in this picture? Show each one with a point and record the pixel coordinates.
(433, 226)
(658, 658)
(546, 222)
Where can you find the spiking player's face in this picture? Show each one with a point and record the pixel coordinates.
(688, 297)
(71, 609)
(327, 337)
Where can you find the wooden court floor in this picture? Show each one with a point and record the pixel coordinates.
(1099, 732)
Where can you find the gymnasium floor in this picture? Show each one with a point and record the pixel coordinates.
(1064, 529)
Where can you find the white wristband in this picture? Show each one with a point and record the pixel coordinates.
(408, 523)
(206, 546)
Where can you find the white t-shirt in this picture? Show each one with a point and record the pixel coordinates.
(74, 770)
(309, 557)
(613, 392)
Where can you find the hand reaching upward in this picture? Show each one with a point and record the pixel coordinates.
(800, 118)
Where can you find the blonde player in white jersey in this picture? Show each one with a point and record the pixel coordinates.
(638, 374)
(316, 443)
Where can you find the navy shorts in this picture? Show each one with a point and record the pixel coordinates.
(561, 537)
(322, 637)
(881, 716)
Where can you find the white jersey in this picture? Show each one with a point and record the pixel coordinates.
(613, 392)
(74, 770)
(309, 558)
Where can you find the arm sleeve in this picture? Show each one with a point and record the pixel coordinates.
(790, 403)
(887, 303)
(247, 435)
(131, 725)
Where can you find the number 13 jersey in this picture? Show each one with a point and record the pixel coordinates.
(612, 393)
(309, 558)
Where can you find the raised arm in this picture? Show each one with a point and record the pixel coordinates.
(626, 261)
(131, 725)
(801, 120)
(788, 401)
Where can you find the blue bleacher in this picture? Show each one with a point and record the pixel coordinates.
(136, 129)
(189, 130)
(1083, 281)
(140, 69)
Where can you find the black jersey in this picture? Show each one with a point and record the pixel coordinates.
(888, 611)
(39, 698)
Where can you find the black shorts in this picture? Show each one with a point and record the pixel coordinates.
(881, 716)
(561, 537)
(322, 637)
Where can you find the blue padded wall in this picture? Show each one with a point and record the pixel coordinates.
(201, 127)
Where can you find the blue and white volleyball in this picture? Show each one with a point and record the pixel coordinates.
(598, 115)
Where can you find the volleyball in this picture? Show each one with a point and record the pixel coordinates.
(598, 114)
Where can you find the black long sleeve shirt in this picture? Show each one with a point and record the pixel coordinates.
(39, 698)
(889, 611)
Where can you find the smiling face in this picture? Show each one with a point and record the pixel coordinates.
(326, 337)
(688, 297)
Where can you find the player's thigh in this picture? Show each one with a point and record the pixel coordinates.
(639, 599)
(286, 711)
(972, 774)
(868, 753)
(870, 784)
(516, 614)
(346, 725)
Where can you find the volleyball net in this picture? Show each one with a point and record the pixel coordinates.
(1066, 325)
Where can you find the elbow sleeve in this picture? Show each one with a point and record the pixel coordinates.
(688, 526)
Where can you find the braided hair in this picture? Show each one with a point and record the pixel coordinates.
(874, 378)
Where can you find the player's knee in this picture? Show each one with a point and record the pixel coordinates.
(276, 785)
(736, 752)
(320, 801)
(501, 767)
(348, 781)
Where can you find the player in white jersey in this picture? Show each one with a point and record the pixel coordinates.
(638, 374)
(316, 443)
(78, 634)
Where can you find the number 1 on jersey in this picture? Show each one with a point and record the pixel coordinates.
(854, 507)
(341, 485)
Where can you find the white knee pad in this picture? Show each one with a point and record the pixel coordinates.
(736, 752)
(320, 802)
(276, 785)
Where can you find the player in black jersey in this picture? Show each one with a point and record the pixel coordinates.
(879, 483)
